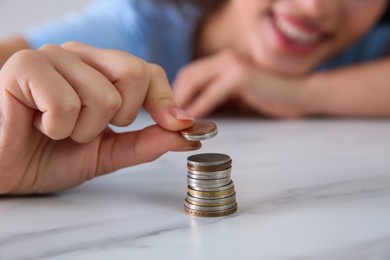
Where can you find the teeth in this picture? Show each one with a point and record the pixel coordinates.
(296, 34)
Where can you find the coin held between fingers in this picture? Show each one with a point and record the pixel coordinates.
(200, 130)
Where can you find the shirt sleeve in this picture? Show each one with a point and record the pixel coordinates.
(100, 24)
(152, 30)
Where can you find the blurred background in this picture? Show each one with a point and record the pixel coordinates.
(17, 15)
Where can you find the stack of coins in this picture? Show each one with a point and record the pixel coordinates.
(210, 191)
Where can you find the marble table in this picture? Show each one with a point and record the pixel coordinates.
(306, 189)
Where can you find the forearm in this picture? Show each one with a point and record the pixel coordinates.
(10, 46)
(361, 90)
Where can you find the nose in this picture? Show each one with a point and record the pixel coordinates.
(318, 9)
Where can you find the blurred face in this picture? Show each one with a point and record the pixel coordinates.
(294, 36)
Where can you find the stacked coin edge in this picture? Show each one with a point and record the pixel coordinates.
(210, 191)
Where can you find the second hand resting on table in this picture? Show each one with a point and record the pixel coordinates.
(55, 107)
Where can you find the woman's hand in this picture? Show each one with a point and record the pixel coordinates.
(209, 83)
(55, 107)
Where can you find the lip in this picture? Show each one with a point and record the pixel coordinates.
(304, 25)
(293, 47)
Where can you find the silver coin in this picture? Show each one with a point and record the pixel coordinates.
(200, 137)
(209, 175)
(222, 188)
(215, 183)
(213, 173)
(208, 159)
(222, 213)
(211, 201)
(209, 209)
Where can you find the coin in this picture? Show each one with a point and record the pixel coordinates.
(210, 194)
(214, 183)
(228, 186)
(206, 214)
(210, 168)
(210, 191)
(211, 202)
(208, 159)
(209, 208)
(200, 130)
(209, 175)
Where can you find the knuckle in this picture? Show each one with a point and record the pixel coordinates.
(61, 110)
(158, 71)
(141, 70)
(110, 102)
(72, 45)
(54, 132)
(49, 48)
(23, 58)
(135, 69)
(68, 107)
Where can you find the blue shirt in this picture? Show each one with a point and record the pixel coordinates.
(374, 45)
(163, 34)
(158, 33)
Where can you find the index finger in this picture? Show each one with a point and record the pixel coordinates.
(121, 68)
(160, 104)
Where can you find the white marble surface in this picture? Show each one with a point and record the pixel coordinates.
(312, 189)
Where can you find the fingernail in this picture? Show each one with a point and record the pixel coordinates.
(194, 146)
(181, 114)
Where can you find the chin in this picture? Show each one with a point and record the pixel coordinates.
(286, 67)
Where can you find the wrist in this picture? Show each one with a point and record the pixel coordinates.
(309, 94)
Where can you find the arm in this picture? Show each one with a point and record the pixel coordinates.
(360, 90)
(209, 83)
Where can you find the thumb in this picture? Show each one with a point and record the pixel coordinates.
(119, 150)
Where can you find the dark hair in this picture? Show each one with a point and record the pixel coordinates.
(208, 6)
(205, 5)
(386, 15)
(200, 3)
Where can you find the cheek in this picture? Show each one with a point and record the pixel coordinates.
(251, 21)
(360, 18)
(249, 12)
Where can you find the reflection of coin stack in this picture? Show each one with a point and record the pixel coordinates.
(210, 190)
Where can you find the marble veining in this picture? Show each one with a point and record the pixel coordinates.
(310, 189)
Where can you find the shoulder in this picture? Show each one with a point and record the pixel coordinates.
(147, 10)
(380, 38)
(155, 30)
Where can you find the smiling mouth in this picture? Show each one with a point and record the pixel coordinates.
(298, 37)
(296, 34)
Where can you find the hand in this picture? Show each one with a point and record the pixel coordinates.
(227, 78)
(55, 107)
